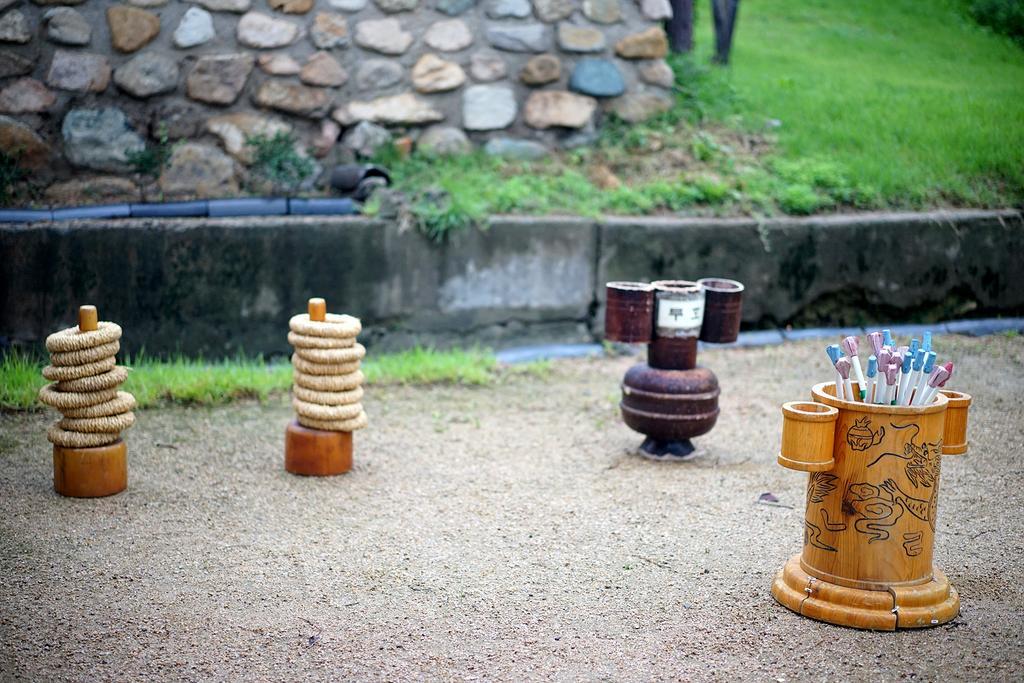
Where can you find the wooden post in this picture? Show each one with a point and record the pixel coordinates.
(90, 472)
(316, 452)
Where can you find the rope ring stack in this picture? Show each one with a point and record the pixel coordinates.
(84, 387)
(327, 380)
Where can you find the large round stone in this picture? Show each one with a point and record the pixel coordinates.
(100, 138)
(488, 107)
(597, 77)
(147, 74)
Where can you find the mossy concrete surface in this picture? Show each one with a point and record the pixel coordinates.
(218, 286)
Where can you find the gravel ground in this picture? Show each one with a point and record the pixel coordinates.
(504, 533)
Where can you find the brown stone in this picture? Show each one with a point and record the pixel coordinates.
(541, 69)
(603, 177)
(657, 72)
(12, 64)
(404, 109)
(291, 6)
(433, 74)
(131, 28)
(197, 170)
(649, 44)
(293, 98)
(79, 71)
(324, 141)
(218, 79)
(279, 65)
(26, 95)
(548, 108)
(18, 139)
(92, 190)
(640, 106)
(329, 29)
(324, 70)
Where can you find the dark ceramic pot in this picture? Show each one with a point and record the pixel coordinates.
(669, 405)
(723, 308)
(629, 312)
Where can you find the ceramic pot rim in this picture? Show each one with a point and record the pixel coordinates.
(712, 285)
(627, 286)
(687, 286)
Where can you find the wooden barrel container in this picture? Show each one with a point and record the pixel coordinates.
(91, 472)
(954, 437)
(723, 309)
(316, 452)
(629, 312)
(869, 524)
(808, 432)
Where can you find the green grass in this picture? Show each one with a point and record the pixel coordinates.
(828, 105)
(185, 381)
(915, 103)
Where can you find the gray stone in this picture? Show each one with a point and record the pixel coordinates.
(512, 148)
(449, 35)
(79, 71)
(602, 11)
(280, 64)
(219, 79)
(508, 9)
(558, 108)
(198, 170)
(147, 3)
(383, 35)
(26, 96)
(488, 107)
(67, 26)
(262, 31)
(487, 67)
(177, 119)
(541, 69)
(575, 38)
(12, 64)
(520, 37)
(347, 5)
(597, 77)
(101, 139)
(639, 106)
(236, 6)
(329, 29)
(443, 141)
(551, 11)
(656, 10)
(403, 109)
(195, 28)
(453, 8)
(432, 74)
(365, 138)
(580, 137)
(656, 72)
(378, 74)
(4, 4)
(32, 151)
(14, 28)
(234, 129)
(147, 74)
(324, 70)
(293, 98)
(392, 6)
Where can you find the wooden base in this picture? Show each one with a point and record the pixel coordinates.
(929, 604)
(316, 453)
(90, 472)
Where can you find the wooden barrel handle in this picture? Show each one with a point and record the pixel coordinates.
(88, 318)
(317, 309)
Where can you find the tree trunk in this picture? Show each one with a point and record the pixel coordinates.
(724, 12)
(680, 26)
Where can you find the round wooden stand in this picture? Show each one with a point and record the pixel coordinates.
(90, 472)
(316, 453)
(869, 524)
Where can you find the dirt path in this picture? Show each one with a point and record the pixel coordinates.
(502, 533)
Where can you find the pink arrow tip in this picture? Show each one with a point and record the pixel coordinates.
(843, 366)
(877, 340)
(949, 368)
(891, 370)
(850, 345)
(939, 377)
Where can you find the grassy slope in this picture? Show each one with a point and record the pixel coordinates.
(913, 99)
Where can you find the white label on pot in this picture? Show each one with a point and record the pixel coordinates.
(681, 315)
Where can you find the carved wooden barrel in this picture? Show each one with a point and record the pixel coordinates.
(869, 524)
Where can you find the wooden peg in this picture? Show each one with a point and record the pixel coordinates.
(88, 318)
(317, 309)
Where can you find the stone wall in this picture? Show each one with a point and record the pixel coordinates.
(219, 286)
(84, 84)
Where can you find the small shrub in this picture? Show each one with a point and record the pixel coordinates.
(799, 199)
(277, 161)
(152, 159)
(1002, 16)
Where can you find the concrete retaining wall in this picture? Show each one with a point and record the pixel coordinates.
(218, 286)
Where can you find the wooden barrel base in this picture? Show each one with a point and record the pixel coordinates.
(90, 472)
(315, 452)
(921, 606)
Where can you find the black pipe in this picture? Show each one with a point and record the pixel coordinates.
(250, 206)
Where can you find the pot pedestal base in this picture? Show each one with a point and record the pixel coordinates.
(675, 451)
(315, 452)
(90, 472)
(929, 604)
